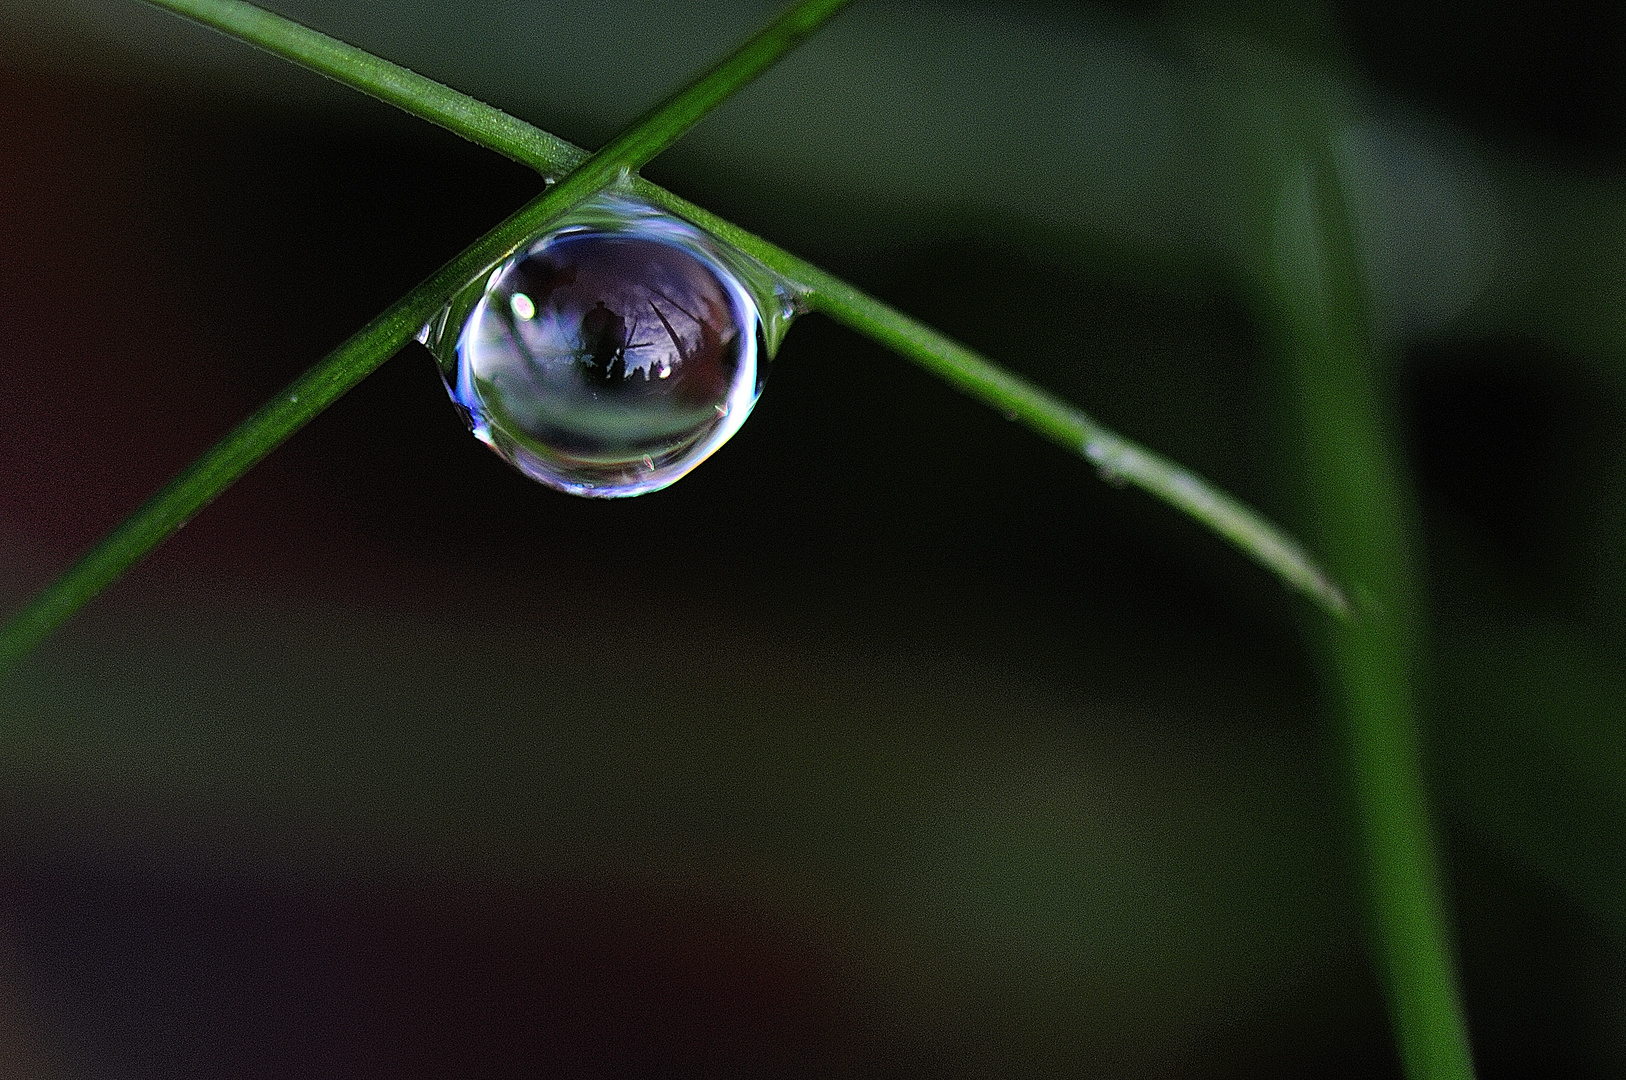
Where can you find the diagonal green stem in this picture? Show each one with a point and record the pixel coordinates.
(390, 83)
(1114, 455)
(347, 365)
(1117, 457)
(1361, 510)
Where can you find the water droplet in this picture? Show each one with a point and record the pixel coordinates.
(789, 302)
(612, 353)
(1110, 460)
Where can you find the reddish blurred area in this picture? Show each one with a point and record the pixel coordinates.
(116, 380)
(100, 356)
(185, 976)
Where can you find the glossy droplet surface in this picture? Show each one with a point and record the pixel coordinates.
(611, 354)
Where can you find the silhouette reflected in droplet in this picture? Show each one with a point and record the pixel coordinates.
(610, 355)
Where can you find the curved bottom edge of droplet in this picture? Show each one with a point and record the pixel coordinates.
(611, 483)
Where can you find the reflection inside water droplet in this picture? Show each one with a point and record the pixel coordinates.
(613, 353)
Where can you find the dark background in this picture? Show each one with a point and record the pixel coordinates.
(888, 743)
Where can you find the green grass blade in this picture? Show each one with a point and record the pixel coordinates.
(390, 83)
(347, 365)
(1361, 508)
(1116, 457)
(496, 130)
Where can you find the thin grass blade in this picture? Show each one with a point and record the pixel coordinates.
(1113, 454)
(1372, 659)
(347, 365)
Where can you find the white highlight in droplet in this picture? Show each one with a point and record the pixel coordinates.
(523, 308)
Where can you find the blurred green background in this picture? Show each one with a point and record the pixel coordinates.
(889, 743)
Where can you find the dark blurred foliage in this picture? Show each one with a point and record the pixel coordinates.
(865, 502)
(1547, 74)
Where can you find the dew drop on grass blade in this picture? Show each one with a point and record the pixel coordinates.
(614, 351)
